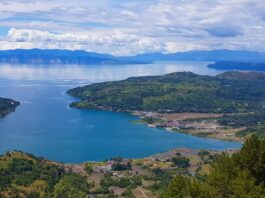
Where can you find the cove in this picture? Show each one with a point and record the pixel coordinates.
(45, 125)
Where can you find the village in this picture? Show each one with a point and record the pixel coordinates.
(198, 124)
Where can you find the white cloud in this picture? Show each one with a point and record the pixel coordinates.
(111, 41)
(134, 26)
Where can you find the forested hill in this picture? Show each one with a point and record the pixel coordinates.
(7, 106)
(177, 92)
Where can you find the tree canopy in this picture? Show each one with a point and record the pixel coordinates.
(236, 176)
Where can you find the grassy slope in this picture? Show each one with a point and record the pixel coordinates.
(24, 175)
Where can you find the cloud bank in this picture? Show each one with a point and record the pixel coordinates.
(133, 26)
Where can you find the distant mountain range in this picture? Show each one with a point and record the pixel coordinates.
(213, 55)
(39, 56)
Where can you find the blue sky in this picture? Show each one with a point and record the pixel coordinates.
(126, 27)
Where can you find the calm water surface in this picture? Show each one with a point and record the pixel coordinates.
(44, 124)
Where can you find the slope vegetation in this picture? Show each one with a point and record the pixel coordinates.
(230, 92)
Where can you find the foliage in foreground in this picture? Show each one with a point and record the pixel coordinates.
(237, 176)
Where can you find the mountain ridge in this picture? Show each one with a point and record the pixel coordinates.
(81, 57)
(203, 55)
(57, 56)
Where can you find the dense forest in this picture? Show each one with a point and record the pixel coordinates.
(230, 92)
(7, 106)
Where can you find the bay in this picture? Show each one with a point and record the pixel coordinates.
(45, 125)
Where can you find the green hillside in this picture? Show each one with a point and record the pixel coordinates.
(229, 92)
(26, 176)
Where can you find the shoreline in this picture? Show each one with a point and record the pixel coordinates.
(196, 124)
(220, 132)
(11, 108)
(139, 176)
(151, 156)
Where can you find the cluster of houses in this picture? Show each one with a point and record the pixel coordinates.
(160, 121)
(108, 166)
(157, 120)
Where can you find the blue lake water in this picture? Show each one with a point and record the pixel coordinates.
(45, 125)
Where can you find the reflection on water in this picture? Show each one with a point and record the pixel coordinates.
(96, 73)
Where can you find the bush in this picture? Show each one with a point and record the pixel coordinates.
(121, 166)
(181, 162)
(89, 169)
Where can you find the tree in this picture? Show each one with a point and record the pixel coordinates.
(89, 169)
(184, 187)
(222, 174)
(252, 158)
(241, 175)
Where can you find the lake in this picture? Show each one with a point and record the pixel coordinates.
(45, 125)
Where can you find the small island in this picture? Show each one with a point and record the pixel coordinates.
(7, 106)
(227, 106)
(243, 66)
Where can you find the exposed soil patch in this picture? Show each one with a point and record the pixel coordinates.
(184, 116)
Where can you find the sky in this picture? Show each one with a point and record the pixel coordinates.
(128, 27)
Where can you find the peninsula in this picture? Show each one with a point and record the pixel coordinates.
(226, 106)
(7, 106)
